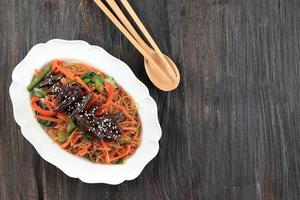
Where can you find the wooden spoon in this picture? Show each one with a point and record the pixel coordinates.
(158, 76)
(160, 59)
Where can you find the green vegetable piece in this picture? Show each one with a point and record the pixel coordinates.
(39, 78)
(85, 136)
(92, 78)
(71, 126)
(125, 139)
(46, 123)
(87, 76)
(121, 161)
(99, 86)
(62, 136)
(98, 82)
(42, 105)
(38, 92)
(112, 81)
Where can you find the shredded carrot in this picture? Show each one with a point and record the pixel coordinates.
(112, 100)
(122, 155)
(64, 81)
(68, 142)
(80, 73)
(107, 159)
(75, 139)
(82, 152)
(61, 127)
(82, 83)
(51, 119)
(128, 128)
(54, 65)
(136, 136)
(124, 123)
(110, 90)
(62, 116)
(97, 147)
(48, 104)
(37, 108)
(37, 72)
(93, 88)
(67, 73)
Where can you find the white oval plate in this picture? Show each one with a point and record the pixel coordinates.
(72, 165)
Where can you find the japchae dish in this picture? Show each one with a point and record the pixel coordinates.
(85, 111)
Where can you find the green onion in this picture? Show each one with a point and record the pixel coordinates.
(92, 78)
(38, 92)
(71, 126)
(125, 139)
(39, 78)
(111, 81)
(121, 161)
(62, 136)
(46, 123)
(85, 136)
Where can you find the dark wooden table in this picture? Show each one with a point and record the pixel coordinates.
(230, 130)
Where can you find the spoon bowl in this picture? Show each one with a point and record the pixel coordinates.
(171, 71)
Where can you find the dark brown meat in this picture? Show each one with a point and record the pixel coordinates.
(55, 88)
(71, 100)
(68, 98)
(103, 127)
(50, 79)
(80, 106)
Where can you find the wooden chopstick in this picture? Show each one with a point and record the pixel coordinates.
(146, 33)
(126, 23)
(128, 36)
(114, 6)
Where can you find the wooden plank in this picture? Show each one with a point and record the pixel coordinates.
(231, 129)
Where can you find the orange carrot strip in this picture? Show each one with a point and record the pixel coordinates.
(129, 129)
(93, 88)
(82, 83)
(55, 63)
(64, 81)
(62, 116)
(37, 72)
(51, 119)
(122, 155)
(75, 139)
(48, 104)
(136, 136)
(82, 152)
(67, 73)
(80, 73)
(126, 123)
(37, 108)
(110, 90)
(107, 159)
(61, 127)
(68, 142)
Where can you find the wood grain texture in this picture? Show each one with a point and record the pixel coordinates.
(231, 129)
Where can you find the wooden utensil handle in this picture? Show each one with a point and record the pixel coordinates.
(145, 32)
(127, 24)
(129, 37)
